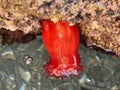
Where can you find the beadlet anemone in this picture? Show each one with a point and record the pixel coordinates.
(61, 41)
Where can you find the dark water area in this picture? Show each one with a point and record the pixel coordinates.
(21, 69)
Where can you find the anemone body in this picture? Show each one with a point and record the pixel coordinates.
(61, 41)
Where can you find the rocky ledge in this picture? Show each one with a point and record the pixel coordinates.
(99, 20)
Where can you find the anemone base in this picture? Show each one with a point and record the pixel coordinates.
(60, 71)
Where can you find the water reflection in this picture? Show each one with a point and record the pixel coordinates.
(21, 69)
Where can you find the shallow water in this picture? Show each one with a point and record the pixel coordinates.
(21, 69)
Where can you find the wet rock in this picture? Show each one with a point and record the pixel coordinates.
(101, 71)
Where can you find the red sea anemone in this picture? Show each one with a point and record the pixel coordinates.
(61, 41)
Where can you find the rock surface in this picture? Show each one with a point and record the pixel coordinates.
(99, 20)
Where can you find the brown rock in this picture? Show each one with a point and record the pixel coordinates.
(99, 20)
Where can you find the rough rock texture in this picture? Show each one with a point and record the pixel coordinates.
(19, 14)
(99, 20)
